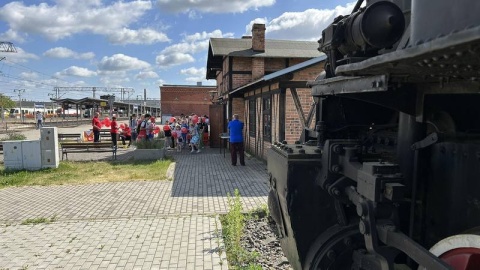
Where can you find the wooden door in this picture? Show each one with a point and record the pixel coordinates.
(217, 124)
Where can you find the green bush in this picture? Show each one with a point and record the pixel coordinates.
(150, 144)
(14, 137)
(233, 224)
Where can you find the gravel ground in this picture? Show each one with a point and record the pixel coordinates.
(260, 236)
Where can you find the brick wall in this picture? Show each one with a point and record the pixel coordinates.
(293, 127)
(258, 68)
(185, 99)
(274, 64)
(247, 69)
(244, 65)
(239, 108)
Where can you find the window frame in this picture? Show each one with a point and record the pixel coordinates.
(252, 117)
(267, 117)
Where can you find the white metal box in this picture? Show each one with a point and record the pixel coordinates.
(12, 155)
(32, 159)
(50, 156)
(48, 138)
(50, 159)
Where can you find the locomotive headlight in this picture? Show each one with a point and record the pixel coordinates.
(378, 26)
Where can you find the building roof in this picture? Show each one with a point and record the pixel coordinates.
(221, 47)
(93, 101)
(273, 48)
(280, 74)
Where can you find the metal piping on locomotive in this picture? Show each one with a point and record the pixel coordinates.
(393, 167)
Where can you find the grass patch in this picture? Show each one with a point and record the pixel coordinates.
(38, 220)
(70, 172)
(14, 137)
(233, 224)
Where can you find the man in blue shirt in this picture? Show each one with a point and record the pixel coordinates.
(236, 140)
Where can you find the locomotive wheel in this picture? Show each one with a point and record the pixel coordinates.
(333, 249)
(461, 251)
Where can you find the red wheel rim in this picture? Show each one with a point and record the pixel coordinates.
(463, 258)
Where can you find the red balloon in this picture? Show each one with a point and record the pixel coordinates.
(122, 126)
(172, 119)
(195, 119)
(184, 130)
(175, 135)
(107, 124)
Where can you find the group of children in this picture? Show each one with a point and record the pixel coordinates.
(187, 131)
(141, 128)
(178, 134)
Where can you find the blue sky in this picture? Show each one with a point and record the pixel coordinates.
(138, 44)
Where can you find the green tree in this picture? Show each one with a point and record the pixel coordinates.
(6, 102)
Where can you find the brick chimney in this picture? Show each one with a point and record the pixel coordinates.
(258, 37)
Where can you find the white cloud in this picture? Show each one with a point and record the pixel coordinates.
(192, 15)
(20, 57)
(114, 81)
(146, 75)
(70, 17)
(76, 71)
(160, 82)
(121, 62)
(182, 53)
(192, 71)
(194, 74)
(12, 36)
(141, 36)
(29, 75)
(306, 25)
(61, 52)
(213, 6)
(174, 59)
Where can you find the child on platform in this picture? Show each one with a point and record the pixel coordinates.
(178, 135)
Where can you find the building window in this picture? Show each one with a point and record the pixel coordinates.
(267, 118)
(251, 118)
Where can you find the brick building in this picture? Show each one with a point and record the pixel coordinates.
(186, 99)
(265, 83)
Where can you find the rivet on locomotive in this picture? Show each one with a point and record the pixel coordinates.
(389, 178)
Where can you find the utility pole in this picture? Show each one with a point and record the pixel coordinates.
(20, 91)
(52, 95)
(141, 105)
(7, 47)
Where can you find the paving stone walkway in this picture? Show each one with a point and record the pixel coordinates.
(129, 225)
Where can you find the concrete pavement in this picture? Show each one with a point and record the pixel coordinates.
(129, 225)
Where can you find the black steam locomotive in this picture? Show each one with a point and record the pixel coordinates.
(390, 176)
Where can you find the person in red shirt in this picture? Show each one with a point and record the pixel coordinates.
(114, 131)
(96, 127)
(126, 135)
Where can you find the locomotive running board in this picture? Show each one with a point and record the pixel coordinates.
(346, 85)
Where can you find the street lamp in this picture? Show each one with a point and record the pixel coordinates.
(20, 91)
(212, 94)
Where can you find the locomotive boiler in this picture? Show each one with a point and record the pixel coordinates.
(389, 178)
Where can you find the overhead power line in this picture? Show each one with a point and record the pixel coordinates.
(121, 90)
(6, 46)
